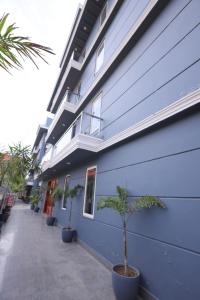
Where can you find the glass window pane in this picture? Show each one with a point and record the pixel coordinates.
(89, 194)
(96, 111)
(103, 15)
(100, 57)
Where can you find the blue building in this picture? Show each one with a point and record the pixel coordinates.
(38, 151)
(126, 105)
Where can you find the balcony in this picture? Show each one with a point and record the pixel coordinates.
(46, 160)
(69, 79)
(35, 151)
(79, 142)
(63, 117)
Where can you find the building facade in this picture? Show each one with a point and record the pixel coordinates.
(38, 151)
(126, 107)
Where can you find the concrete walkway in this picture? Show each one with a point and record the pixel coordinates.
(36, 265)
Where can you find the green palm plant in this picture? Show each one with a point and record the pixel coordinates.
(56, 195)
(18, 166)
(34, 197)
(14, 47)
(72, 194)
(125, 209)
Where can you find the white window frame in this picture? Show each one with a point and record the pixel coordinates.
(100, 19)
(90, 216)
(99, 95)
(66, 178)
(96, 57)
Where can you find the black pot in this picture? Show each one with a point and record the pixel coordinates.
(50, 221)
(36, 209)
(32, 206)
(68, 235)
(125, 288)
(5, 217)
(1, 224)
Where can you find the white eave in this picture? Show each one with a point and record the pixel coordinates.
(65, 106)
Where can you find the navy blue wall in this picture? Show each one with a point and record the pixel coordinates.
(163, 244)
(165, 162)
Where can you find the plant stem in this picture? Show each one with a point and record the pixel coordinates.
(125, 246)
(70, 214)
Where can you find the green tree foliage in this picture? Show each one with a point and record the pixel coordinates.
(14, 48)
(56, 195)
(35, 197)
(3, 168)
(125, 209)
(14, 171)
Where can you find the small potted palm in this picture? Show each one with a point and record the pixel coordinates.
(68, 232)
(125, 278)
(56, 195)
(35, 200)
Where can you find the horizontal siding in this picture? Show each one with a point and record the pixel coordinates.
(163, 244)
(154, 81)
(162, 67)
(167, 271)
(136, 7)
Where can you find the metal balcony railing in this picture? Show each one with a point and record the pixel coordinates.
(47, 157)
(70, 97)
(85, 123)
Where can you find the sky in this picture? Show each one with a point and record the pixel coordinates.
(24, 95)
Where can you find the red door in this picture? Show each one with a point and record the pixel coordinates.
(47, 206)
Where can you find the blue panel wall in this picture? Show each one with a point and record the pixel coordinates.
(163, 244)
(156, 72)
(161, 68)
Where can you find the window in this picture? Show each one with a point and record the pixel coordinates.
(66, 186)
(76, 128)
(96, 111)
(103, 14)
(78, 88)
(90, 183)
(82, 55)
(99, 57)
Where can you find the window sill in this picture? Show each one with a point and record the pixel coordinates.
(88, 216)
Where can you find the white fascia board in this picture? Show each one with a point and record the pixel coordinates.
(72, 32)
(163, 114)
(75, 29)
(65, 105)
(81, 141)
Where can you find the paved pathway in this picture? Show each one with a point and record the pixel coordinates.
(36, 265)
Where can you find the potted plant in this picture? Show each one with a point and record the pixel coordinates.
(56, 194)
(34, 200)
(125, 279)
(68, 232)
(5, 214)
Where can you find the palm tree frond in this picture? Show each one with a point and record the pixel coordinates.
(12, 46)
